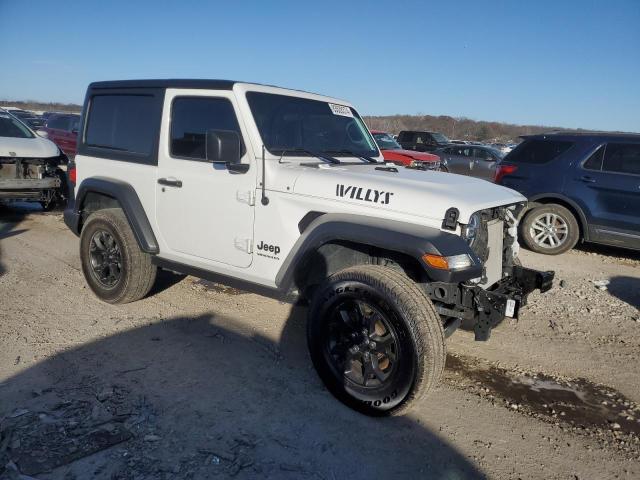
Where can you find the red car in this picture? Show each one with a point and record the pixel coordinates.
(62, 129)
(393, 152)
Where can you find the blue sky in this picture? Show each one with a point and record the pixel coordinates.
(556, 63)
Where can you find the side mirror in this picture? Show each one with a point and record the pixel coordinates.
(223, 146)
(42, 133)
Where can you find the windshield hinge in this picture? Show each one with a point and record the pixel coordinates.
(248, 197)
(243, 244)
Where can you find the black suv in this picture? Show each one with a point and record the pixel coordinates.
(582, 186)
(422, 141)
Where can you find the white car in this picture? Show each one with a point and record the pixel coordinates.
(29, 165)
(285, 193)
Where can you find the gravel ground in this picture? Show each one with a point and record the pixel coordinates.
(199, 380)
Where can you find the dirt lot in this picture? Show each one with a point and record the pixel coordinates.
(198, 380)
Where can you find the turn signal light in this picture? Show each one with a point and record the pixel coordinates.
(454, 262)
(436, 261)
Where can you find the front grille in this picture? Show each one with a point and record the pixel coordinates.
(493, 263)
(488, 245)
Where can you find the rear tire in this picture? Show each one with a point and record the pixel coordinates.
(115, 268)
(375, 339)
(550, 229)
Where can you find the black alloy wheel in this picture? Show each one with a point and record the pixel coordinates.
(360, 343)
(105, 259)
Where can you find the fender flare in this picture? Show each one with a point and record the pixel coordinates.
(126, 197)
(582, 219)
(405, 238)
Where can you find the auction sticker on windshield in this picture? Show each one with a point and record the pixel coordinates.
(340, 110)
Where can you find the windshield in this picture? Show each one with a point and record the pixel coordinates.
(440, 138)
(386, 141)
(290, 123)
(12, 127)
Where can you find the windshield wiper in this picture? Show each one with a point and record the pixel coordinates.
(353, 154)
(320, 155)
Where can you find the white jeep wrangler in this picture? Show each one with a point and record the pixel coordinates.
(285, 193)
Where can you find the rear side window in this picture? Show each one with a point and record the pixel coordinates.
(122, 123)
(405, 137)
(192, 117)
(59, 123)
(622, 158)
(482, 153)
(594, 162)
(536, 151)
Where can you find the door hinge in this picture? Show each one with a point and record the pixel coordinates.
(248, 197)
(244, 244)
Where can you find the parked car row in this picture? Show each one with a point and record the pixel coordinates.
(60, 128)
(581, 187)
(29, 165)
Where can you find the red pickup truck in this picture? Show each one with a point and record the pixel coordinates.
(393, 152)
(62, 129)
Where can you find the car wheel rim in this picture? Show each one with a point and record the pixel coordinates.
(549, 230)
(360, 344)
(105, 259)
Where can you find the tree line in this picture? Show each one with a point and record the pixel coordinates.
(459, 128)
(31, 105)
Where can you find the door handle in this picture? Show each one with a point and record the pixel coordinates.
(587, 179)
(170, 182)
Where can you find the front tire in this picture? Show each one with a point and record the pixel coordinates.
(375, 339)
(115, 268)
(550, 229)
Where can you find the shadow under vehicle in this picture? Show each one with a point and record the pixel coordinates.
(189, 398)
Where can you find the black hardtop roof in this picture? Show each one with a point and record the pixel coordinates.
(417, 131)
(166, 83)
(578, 135)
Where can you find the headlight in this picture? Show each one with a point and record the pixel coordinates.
(470, 231)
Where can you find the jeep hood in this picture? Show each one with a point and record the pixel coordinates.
(421, 193)
(36, 147)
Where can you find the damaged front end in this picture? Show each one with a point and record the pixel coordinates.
(502, 290)
(32, 179)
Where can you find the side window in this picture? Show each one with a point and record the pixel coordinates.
(122, 122)
(482, 154)
(622, 158)
(404, 137)
(58, 123)
(594, 162)
(192, 117)
(538, 151)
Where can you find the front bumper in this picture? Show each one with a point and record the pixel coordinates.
(507, 297)
(487, 308)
